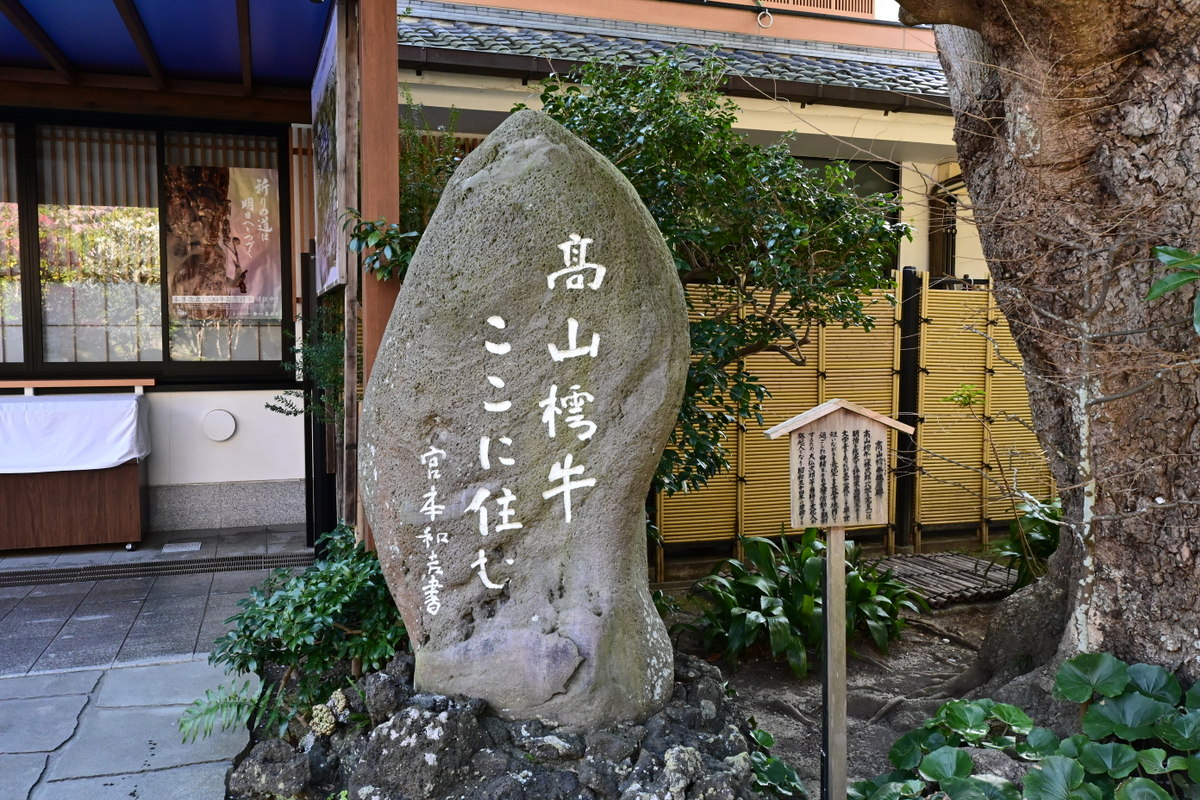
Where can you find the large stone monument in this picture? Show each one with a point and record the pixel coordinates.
(528, 380)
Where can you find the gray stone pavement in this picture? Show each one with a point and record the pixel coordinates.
(124, 621)
(94, 676)
(101, 734)
(174, 546)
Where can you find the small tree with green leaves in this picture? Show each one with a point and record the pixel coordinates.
(427, 158)
(776, 247)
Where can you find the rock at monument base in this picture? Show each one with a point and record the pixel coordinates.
(454, 748)
(273, 769)
(422, 750)
(524, 390)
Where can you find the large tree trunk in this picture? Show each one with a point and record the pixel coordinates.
(1079, 137)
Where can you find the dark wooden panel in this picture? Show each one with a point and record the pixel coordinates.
(62, 509)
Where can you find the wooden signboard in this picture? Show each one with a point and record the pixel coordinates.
(839, 478)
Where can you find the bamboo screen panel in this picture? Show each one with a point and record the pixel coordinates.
(949, 483)
(849, 363)
(862, 367)
(1021, 460)
(766, 490)
(955, 459)
(965, 462)
(752, 499)
(710, 514)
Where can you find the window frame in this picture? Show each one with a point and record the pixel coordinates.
(167, 370)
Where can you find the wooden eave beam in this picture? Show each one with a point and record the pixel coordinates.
(243, 17)
(532, 68)
(141, 39)
(127, 95)
(108, 80)
(24, 22)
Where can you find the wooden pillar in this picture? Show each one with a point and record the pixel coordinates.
(379, 176)
(833, 766)
(380, 172)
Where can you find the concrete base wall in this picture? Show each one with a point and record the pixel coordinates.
(226, 505)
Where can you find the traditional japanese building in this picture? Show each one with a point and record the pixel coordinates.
(165, 166)
(155, 198)
(836, 79)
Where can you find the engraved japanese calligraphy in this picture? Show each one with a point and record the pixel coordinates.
(540, 347)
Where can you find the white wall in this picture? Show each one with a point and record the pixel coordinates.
(265, 447)
(968, 252)
(914, 198)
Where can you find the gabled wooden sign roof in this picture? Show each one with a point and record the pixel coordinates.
(827, 408)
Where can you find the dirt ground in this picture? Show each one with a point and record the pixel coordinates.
(883, 699)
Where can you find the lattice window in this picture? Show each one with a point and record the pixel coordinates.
(864, 7)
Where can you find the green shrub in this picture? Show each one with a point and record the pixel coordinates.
(771, 773)
(774, 599)
(320, 358)
(1140, 741)
(1032, 539)
(302, 635)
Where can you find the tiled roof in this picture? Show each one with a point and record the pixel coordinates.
(441, 27)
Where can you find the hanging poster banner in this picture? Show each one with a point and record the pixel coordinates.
(332, 150)
(224, 259)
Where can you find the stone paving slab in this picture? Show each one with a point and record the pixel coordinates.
(39, 724)
(231, 544)
(30, 624)
(78, 652)
(122, 621)
(116, 741)
(36, 560)
(33, 608)
(112, 731)
(166, 684)
(19, 653)
(52, 685)
(193, 782)
(75, 589)
(8, 604)
(237, 581)
(164, 629)
(92, 637)
(19, 772)
(119, 589)
(189, 586)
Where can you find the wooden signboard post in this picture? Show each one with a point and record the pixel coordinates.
(839, 468)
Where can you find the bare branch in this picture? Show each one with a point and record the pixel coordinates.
(964, 13)
(1141, 387)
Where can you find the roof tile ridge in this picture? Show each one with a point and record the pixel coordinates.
(568, 23)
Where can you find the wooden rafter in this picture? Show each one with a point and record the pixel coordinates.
(129, 94)
(243, 16)
(141, 38)
(24, 22)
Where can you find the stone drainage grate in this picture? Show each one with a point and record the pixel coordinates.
(144, 569)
